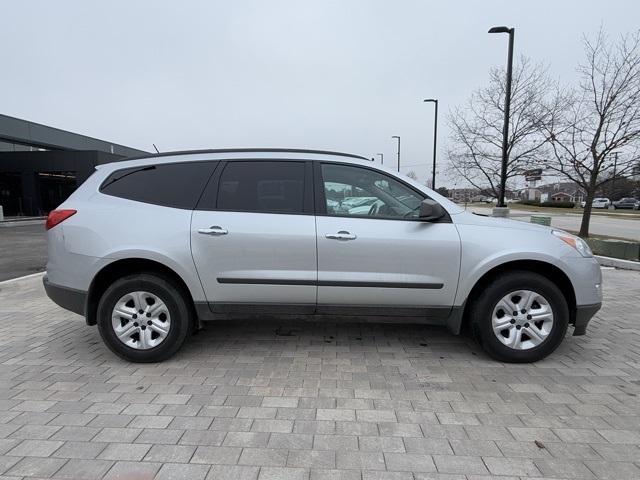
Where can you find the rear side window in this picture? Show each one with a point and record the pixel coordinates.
(274, 187)
(176, 185)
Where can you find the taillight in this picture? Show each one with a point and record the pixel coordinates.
(58, 216)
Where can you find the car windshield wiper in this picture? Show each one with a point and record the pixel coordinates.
(151, 167)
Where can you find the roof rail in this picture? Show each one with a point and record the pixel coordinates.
(247, 150)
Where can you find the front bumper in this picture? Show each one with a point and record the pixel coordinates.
(67, 298)
(584, 313)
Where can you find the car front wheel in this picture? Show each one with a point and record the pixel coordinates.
(143, 318)
(519, 317)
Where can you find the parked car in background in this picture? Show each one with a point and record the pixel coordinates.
(600, 203)
(627, 203)
(150, 247)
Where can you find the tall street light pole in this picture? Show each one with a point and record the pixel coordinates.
(396, 136)
(381, 158)
(435, 139)
(507, 108)
(615, 168)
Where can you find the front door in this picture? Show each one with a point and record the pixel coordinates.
(374, 254)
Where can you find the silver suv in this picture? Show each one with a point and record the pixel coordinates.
(149, 247)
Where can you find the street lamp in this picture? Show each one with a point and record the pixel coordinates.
(507, 108)
(396, 136)
(435, 138)
(615, 168)
(381, 158)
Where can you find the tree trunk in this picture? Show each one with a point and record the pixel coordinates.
(586, 216)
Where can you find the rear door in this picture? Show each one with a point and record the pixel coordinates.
(254, 239)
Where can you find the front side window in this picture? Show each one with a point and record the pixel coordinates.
(357, 191)
(274, 187)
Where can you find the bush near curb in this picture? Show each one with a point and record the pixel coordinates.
(615, 248)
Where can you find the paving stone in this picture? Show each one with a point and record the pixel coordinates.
(162, 437)
(121, 435)
(277, 473)
(409, 462)
(324, 474)
(246, 439)
(618, 453)
(35, 448)
(360, 461)
(460, 464)
(85, 469)
(621, 436)
(83, 449)
(216, 455)
(36, 467)
(7, 462)
(263, 457)
(75, 434)
(170, 453)
(389, 476)
(124, 451)
(181, 471)
(233, 472)
(520, 467)
(372, 404)
(201, 437)
(563, 468)
(614, 470)
(335, 442)
(381, 444)
(311, 459)
(133, 470)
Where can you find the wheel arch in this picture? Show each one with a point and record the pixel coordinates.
(121, 268)
(550, 272)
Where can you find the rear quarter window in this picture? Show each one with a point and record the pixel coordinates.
(176, 185)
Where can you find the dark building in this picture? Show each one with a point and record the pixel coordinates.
(41, 166)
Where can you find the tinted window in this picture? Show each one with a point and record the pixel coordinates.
(173, 185)
(276, 187)
(357, 191)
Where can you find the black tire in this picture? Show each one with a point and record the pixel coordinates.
(547, 303)
(141, 341)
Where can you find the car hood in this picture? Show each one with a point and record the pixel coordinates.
(468, 218)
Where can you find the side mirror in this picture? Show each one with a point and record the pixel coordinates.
(430, 210)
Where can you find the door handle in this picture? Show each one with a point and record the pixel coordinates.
(341, 235)
(215, 231)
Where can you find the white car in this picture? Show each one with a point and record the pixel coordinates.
(600, 203)
(150, 247)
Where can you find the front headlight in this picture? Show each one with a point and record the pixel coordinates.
(576, 242)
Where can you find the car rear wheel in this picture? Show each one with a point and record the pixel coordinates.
(143, 318)
(519, 317)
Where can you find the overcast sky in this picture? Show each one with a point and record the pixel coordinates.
(336, 75)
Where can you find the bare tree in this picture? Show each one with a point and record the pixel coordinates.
(596, 140)
(475, 151)
(412, 175)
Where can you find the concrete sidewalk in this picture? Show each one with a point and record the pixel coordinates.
(286, 400)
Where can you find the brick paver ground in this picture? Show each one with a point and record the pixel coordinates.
(286, 400)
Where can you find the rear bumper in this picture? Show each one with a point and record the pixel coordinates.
(67, 298)
(584, 314)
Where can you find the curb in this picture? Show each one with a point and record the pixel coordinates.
(17, 223)
(617, 263)
(11, 280)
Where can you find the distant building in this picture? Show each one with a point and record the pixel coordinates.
(41, 166)
(561, 192)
